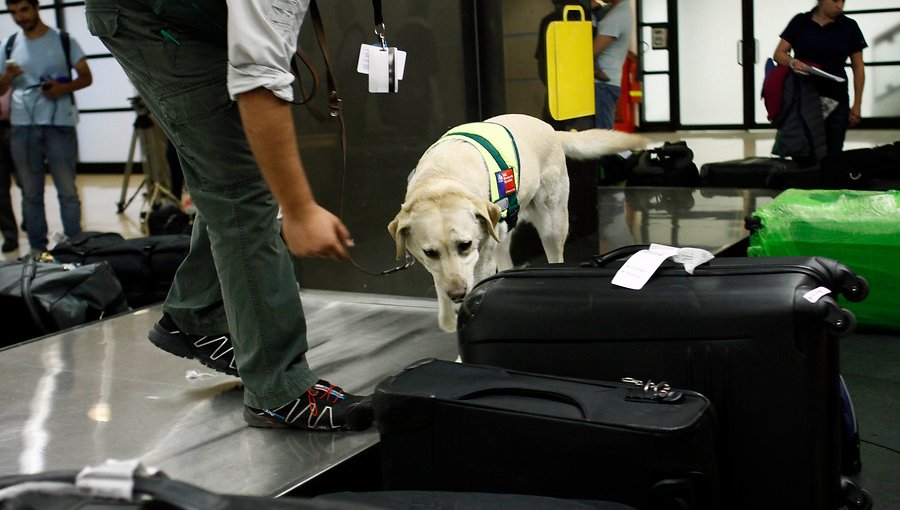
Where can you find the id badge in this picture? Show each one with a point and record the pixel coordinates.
(384, 66)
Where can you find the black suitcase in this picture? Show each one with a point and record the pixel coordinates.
(456, 427)
(767, 173)
(875, 168)
(145, 266)
(738, 331)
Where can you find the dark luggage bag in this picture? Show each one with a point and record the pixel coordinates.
(739, 331)
(38, 298)
(117, 489)
(455, 427)
(875, 168)
(766, 173)
(145, 266)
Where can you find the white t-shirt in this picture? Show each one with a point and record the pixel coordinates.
(262, 39)
(41, 59)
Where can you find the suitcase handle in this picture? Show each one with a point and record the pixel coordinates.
(522, 391)
(619, 253)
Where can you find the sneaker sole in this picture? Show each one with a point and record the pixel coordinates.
(360, 420)
(178, 347)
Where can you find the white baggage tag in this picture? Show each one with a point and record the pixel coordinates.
(640, 267)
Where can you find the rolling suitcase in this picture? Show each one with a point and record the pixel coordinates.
(860, 228)
(741, 331)
(455, 427)
(766, 173)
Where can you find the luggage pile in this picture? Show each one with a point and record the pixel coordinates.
(85, 278)
(717, 387)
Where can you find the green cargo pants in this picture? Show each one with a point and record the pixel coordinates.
(238, 276)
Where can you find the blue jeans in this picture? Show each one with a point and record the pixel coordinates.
(238, 276)
(8, 226)
(606, 97)
(32, 146)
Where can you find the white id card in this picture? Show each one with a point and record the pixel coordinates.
(384, 66)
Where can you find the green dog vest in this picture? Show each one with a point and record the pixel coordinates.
(501, 155)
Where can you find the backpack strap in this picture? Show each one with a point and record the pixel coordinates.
(9, 44)
(66, 45)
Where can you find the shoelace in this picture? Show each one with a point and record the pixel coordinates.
(312, 395)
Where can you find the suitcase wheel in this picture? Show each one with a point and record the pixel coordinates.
(843, 324)
(855, 498)
(856, 289)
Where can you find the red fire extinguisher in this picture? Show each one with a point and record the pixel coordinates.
(631, 95)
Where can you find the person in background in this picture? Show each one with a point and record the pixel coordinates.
(7, 175)
(826, 37)
(217, 77)
(611, 41)
(43, 117)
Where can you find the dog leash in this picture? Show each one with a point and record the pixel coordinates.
(336, 111)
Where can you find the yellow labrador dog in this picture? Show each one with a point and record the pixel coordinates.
(451, 225)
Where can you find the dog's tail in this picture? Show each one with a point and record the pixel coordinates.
(593, 143)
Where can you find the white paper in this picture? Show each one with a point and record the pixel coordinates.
(816, 294)
(818, 72)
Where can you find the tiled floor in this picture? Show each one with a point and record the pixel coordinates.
(869, 361)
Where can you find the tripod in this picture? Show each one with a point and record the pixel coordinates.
(157, 178)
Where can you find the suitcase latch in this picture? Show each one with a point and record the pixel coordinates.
(661, 392)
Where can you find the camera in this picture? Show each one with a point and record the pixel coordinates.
(46, 82)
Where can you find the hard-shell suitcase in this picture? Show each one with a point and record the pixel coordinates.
(739, 330)
(755, 172)
(458, 427)
(860, 228)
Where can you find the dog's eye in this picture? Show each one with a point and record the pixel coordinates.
(432, 254)
(464, 246)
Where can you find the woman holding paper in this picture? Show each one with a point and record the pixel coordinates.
(823, 38)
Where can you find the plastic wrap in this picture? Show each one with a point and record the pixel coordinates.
(858, 228)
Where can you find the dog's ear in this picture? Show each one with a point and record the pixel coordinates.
(399, 231)
(489, 212)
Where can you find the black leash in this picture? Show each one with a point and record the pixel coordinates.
(336, 111)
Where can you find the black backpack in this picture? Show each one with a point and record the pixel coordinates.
(669, 165)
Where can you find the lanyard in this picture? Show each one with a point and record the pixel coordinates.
(379, 22)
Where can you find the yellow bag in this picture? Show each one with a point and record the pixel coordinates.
(570, 67)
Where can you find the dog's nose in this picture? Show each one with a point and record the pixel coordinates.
(457, 294)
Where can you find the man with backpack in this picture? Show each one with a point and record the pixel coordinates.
(37, 66)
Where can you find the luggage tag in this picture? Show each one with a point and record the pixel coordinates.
(640, 267)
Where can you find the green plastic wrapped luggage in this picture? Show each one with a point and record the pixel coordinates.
(858, 228)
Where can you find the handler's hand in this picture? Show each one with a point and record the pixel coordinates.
(316, 233)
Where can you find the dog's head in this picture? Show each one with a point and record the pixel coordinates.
(447, 234)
